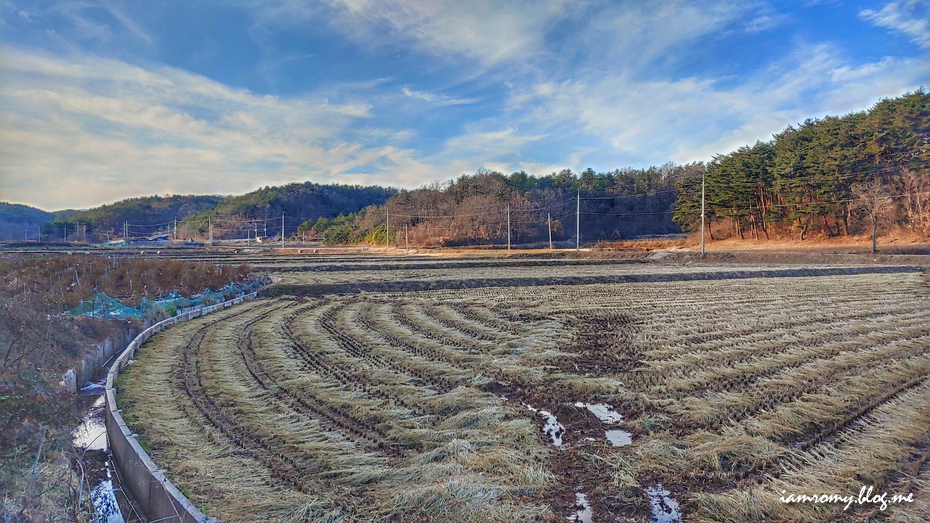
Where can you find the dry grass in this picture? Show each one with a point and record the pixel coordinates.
(388, 406)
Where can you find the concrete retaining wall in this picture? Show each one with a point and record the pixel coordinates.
(154, 495)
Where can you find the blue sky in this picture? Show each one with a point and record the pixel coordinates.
(106, 99)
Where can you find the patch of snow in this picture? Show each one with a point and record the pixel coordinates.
(583, 512)
(664, 508)
(619, 438)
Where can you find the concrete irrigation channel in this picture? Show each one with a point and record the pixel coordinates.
(154, 494)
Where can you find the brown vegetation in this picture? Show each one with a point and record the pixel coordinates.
(38, 343)
(410, 406)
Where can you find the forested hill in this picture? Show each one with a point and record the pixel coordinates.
(262, 210)
(831, 176)
(473, 209)
(231, 216)
(141, 216)
(826, 176)
(21, 222)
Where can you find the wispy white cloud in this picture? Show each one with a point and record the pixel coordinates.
(70, 122)
(649, 121)
(84, 17)
(116, 10)
(584, 83)
(910, 18)
(484, 31)
(437, 99)
(766, 18)
(632, 35)
(484, 146)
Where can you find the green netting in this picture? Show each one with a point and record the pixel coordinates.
(104, 306)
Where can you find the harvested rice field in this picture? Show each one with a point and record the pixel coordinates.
(707, 400)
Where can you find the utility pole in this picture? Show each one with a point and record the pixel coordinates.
(282, 230)
(508, 226)
(175, 228)
(210, 225)
(406, 238)
(549, 219)
(256, 232)
(387, 229)
(578, 223)
(702, 213)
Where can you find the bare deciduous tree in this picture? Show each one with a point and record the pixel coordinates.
(917, 204)
(872, 199)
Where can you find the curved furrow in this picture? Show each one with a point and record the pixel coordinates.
(712, 339)
(853, 418)
(191, 381)
(350, 377)
(726, 353)
(444, 317)
(743, 372)
(371, 437)
(433, 333)
(456, 359)
(789, 384)
(355, 347)
(477, 314)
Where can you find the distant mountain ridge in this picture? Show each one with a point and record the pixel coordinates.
(192, 216)
(22, 222)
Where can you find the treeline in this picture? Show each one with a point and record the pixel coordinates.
(473, 209)
(230, 216)
(107, 221)
(261, 210)
(830, 176)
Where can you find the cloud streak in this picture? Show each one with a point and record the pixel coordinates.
(910, 18)
(406, 92)
(437, 99)
(68, 123)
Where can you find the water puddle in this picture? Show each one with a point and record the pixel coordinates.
(583, 512)
(90, 439)
(619, 438)
(602, 411)
(607, 415)
(552, 427)
(106, 508)
(91, 433)
(664, 508)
